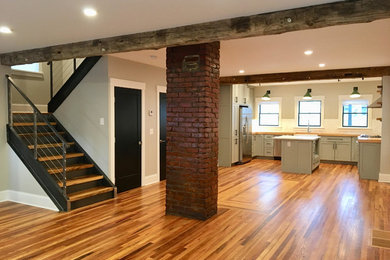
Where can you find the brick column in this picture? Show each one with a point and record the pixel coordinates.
(192, 130)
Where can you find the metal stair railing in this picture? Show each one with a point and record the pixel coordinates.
(40, 136)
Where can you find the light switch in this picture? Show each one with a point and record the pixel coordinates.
(101, 121)
(151, 131)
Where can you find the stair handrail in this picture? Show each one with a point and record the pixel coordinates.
(36, 112)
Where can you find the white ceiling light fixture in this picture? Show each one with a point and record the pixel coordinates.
(241, 71)
(308, 52)
(5, 29)
(321, 65)
(90, 12)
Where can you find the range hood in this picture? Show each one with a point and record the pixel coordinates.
(377, 103)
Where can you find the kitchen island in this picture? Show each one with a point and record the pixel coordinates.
(300, 153)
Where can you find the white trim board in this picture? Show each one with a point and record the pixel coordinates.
(111, 124)
(384, 177)
(160, 89)
(27, 199)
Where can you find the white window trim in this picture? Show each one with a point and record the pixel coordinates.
(300, 98)
(344, 98)
(273, 100)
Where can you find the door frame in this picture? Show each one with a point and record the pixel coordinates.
(114, 82)
(160, 89)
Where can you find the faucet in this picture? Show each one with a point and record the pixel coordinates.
(308, 126)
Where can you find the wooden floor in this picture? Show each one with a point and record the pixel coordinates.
(263, 214)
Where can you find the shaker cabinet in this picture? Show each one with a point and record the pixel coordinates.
(257, 145)
(335, 148)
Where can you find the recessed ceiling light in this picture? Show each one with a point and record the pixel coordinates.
(308, 52)
(241, 71)
(321, 65)
(89, 12)
(5, 29)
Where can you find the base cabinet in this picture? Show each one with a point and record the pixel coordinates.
(257, 145)
(369, 160)
(335, 148)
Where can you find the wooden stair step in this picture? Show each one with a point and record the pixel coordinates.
(89, 193)
(32, 124)
(74, 167)
(80, 180)
(29, 113)
(53, 145)
(59, 157)
(40, 134)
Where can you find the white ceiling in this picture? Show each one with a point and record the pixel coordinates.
(347, 46)
(41, 23)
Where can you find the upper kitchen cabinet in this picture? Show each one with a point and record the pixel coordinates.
(241, 95)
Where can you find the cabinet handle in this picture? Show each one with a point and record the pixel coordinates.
(244, 100)
(236, 99)
(235, 141)
(235, 132)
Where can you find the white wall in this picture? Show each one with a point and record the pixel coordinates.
(82, 110)
(152, 77)
(4, 149)
(384, 175)
(16, 182)
(332, 113)
(80, 113)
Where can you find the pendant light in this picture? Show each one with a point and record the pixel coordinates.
(355, 93)
(308, 94)
(266, 95)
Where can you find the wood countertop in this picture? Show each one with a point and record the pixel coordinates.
(369, 140)
(303, 133)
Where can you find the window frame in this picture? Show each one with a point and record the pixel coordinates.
(278, 114)
(320, 113)
(343, 113)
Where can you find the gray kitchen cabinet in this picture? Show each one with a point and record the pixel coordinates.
(355, 150)
(235, 133)
(369, 160)
(335, 148)
(326, 151)
(257, 145)
(268, 145)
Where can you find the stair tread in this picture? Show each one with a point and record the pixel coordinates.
(89, 193)
(32, 124)
(70, 168)
(51, 145)
(30, 113)
(81, 179)
(40, 134)
(58, 157)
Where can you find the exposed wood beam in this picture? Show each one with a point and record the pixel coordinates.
(319, 16)
(308, 75)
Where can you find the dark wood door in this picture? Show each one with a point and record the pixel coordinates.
(127, 138)
(163, 134)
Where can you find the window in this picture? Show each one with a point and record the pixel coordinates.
(34, 67)
(269, 114)
(309, 113)
(355, 114)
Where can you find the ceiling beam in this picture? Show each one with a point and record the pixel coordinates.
(308, 75)
(312, 17)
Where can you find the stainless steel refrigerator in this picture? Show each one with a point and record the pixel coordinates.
(245, 147)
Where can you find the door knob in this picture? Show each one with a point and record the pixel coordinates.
(139, 142)
(162, 141)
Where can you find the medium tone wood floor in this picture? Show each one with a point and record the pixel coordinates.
(263, 214)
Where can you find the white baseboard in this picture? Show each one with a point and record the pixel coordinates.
(27, 108)
(384, 177)
(27, 199)
(150, 179)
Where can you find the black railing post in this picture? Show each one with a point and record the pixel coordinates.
(35, 136)
(51, 79)
(9, 93)
(74, 65)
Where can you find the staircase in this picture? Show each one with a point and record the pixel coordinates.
(59, 164)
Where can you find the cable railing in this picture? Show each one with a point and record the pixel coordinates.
(47, 144)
